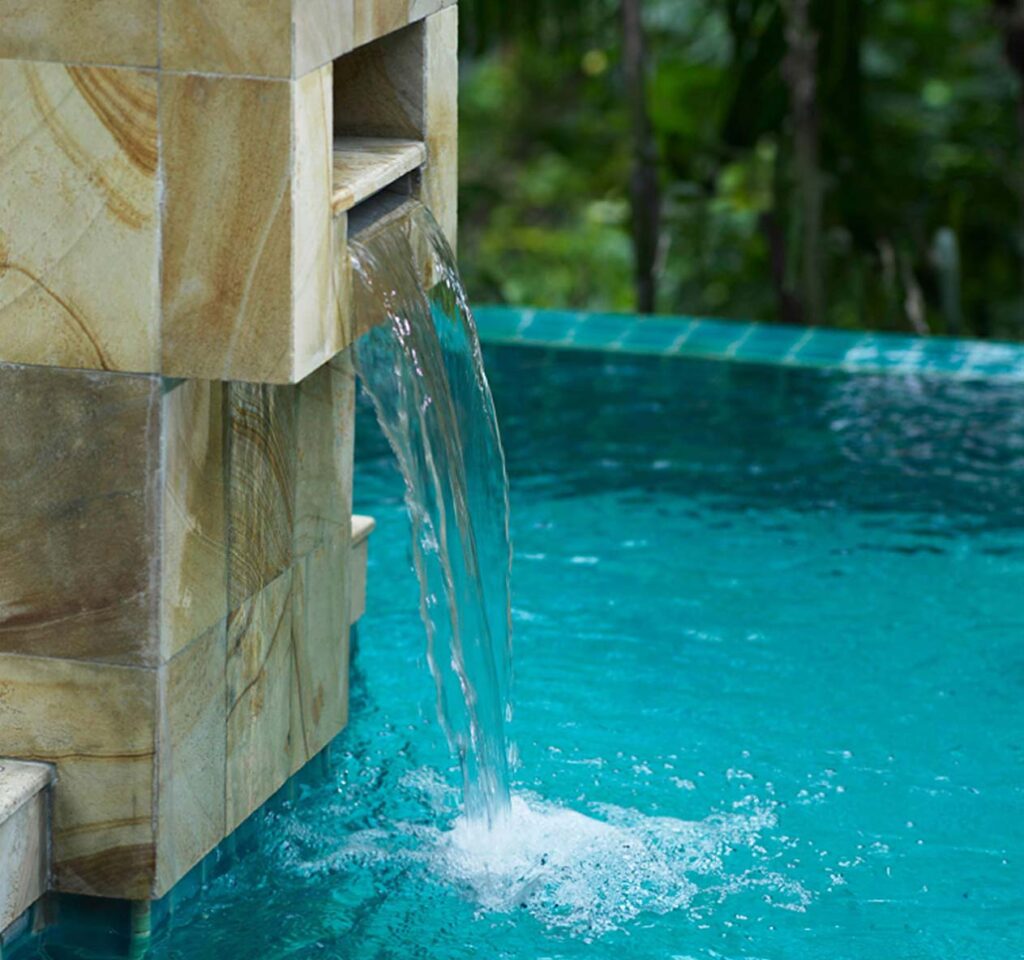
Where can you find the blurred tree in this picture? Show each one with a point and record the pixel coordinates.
(1009, 14)
(645, 192)
(800, 71)
(848, 162)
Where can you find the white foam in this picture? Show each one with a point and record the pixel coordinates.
(582, 873)
(594, 874)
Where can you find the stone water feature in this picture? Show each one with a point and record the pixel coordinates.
(179, 566)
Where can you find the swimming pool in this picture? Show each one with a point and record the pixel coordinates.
(770, 687)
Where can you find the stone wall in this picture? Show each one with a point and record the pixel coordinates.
(174, 604)
(176, 552)
(167, 174)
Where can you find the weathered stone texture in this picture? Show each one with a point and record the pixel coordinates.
(24, 822)
(175, 583)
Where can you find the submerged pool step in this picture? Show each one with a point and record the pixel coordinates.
(362, 527)
(24, 826)
(364, 166)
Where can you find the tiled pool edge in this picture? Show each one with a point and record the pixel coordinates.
(746, 342)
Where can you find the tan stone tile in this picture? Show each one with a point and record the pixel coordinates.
(287, 676)
(238, 37)
(378, 88)
(191, 805)
(78, 512)
(320, 629)
(328, 29)
(113, 32)
(317, 331)
(262, 750)
(261, 486)
(372, 19)
(95, 722)
(324, 30)
(227, 236)
(78, 216)
(441, 105)
(325, 432)
(194, 551)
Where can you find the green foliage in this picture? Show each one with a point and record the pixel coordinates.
(544, 161)
(921, 155)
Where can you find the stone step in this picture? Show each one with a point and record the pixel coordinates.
(362, 527)
(364, 166)
(24, 837)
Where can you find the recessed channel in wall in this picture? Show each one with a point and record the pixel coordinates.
(380, 118)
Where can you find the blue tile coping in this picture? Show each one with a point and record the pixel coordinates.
(714, 339)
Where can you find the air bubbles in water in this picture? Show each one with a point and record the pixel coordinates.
(585, 874)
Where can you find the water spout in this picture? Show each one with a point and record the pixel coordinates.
(421, 364)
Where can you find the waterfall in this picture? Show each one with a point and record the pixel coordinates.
(421, 364)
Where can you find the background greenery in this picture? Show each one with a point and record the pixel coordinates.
(855, 163)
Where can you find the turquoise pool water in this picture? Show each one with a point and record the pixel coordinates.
(769, 686)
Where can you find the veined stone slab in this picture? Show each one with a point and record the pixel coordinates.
(79, 216)
(78, 515)
(176, 219)
(114, 32)
(227, 235)
(97, 724)
(277, 38)
(441, 119)
(174, 604)
(228, 36)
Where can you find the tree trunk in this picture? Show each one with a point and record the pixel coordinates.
(790, 308)
(800, 71)
(645, 193)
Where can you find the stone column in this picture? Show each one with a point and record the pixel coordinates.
(176, 555)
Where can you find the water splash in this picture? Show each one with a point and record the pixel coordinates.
(420, 362)
(591, 875)
(582, 873)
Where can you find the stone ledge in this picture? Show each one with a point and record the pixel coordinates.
(362, 527)
(24, 820)
(364, 166)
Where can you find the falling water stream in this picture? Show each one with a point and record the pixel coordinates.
(421, 365)
(507, 851)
